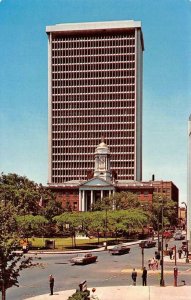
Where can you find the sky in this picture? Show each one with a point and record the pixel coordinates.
(166, 26)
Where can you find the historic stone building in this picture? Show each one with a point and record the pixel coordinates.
(81, 194)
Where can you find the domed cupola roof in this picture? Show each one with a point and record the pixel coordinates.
(102, 148)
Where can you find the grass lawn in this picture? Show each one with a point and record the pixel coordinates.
(66, 243)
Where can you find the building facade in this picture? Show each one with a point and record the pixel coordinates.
(81, 195)
(95, 90)
(168, 188)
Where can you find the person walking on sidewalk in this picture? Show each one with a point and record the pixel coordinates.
(93, 296)
(134, 276)
(51, 282)
(144, 276)
(170, 253)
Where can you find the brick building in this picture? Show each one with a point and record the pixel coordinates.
(80, 195)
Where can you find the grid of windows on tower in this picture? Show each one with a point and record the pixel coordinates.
(93, 82)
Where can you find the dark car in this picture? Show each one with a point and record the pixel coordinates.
(147, 244)
(83, 259)
(119, 249)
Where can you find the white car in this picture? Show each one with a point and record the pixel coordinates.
(178, 236)
(83, 259)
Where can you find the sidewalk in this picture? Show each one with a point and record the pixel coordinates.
(129, 293)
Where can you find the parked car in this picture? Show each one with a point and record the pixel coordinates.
(179, 236)
(119, 249)
(147, 244)
(167, 234)
(83, 259)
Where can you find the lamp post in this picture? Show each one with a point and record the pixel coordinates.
(162, 255)
(187, 259)
(106, 228)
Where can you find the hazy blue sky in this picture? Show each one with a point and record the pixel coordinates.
(166, 26)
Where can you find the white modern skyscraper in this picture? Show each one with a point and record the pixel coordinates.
(95, 90)
(189, 186)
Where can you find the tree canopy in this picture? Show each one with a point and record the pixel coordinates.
(118, 201)
(28, 197)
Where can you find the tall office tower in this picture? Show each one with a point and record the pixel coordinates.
(95, 91)
(188, 208)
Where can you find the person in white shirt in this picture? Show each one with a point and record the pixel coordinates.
(93, 296)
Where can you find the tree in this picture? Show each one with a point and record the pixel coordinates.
(25, 196)
(30, 225)
(122, 200)
(127, 221)
(70, 221)
(169, 211)
(11, 262)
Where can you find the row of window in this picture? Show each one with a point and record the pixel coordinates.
(84, 116)
(96, 51)
(101, 75)
(88, 122)
(91, 60)
(94, 141)
(90, 107)
(95, 74)
(95, 81)
(88, 52)
(93, 68)
(72, 161)
(94, 89)
(95, 97)
(96, 128)
(69, 171)
(93, 41)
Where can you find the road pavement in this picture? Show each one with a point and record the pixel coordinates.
(181, 292)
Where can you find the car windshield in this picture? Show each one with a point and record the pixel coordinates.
(80, 255)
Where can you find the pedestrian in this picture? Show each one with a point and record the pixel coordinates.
(134, 276)
(149, 264)
(93, 295)
(179, 253)
(166, 246)
(170, 253)
(144, 276)
(157, 255)
(51, 281)
(153, 263)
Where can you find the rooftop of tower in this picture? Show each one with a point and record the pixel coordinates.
(94, 26)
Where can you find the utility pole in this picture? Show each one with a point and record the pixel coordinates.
(162, 254)
(186, 216)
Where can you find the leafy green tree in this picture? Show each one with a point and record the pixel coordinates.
(127, 221)
(28, 197)
(11, 262)
(29, 225)
(169, 210)
(122, 200)
(71, 221)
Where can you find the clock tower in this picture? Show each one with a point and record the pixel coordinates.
(102, 162)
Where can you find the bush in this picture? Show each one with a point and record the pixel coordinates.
(80, 295)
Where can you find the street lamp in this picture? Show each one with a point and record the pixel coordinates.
(106, 229)
(187, 259)
(162, 257)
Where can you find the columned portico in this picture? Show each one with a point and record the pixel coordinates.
(94, 190)
(83, 201)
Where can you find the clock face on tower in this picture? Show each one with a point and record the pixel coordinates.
(101, 161)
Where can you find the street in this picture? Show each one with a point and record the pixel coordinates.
(107, 271)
